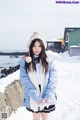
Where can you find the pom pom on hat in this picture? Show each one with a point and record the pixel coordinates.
(36, 35)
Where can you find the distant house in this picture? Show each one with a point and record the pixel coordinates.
(54, 45)
(72, 37)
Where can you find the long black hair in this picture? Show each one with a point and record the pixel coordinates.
(42, 56)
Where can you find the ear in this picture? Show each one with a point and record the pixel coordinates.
(28, 59)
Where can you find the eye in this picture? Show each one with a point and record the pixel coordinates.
(39, 46)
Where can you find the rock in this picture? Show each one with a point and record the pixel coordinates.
(2, 76)
(6, 72)
(13, 95)
(2, 102)
(9, 71)
(12, 69)
(17, 67)
(3, 106)
(14, 56)
(1, 67)
(11, 99)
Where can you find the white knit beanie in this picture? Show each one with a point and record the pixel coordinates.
(36, 35)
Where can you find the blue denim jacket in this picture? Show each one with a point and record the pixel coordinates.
(49, 90)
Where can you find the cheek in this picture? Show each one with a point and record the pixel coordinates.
(33, 49)
(40, 49)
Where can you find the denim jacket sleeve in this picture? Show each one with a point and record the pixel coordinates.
(27, 85)
(50, 92)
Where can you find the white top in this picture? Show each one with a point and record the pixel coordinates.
(38, 72)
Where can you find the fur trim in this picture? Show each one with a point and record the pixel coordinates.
(33, 79)
(48, 59)
(27, 59)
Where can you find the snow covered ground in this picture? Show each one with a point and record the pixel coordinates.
(68, 90)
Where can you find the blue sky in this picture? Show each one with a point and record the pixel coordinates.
(20, 18)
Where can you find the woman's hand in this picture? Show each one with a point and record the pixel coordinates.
(44, 101)
(40, 101)
(47, 101)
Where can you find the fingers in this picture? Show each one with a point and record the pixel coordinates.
(47, 101)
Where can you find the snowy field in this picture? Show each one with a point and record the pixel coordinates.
(68, 90)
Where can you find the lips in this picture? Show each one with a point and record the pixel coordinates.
(36, 51)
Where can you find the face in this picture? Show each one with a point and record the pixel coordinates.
(37, 48)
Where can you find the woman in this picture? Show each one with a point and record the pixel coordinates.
(38, 79)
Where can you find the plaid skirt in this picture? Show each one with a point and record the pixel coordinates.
(46, 110)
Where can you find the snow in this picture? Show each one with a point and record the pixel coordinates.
(7, 80)
(68, 90)
(74, 46)
(54, 40)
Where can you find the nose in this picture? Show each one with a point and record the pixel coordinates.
(36, 48)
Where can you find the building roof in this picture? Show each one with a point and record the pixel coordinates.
(70, 29)
(54, 40)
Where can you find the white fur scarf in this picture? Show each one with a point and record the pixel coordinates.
(32, 74)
